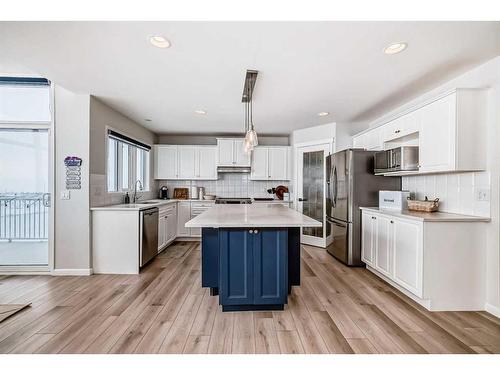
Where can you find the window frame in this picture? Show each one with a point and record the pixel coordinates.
(132, 165)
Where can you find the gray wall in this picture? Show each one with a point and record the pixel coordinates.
(344, 133)
(72, 217)
(102, 116)
(189, 139)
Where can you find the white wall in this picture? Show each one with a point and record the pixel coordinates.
(72, 217)
(485, 76)
(102, 116)
(314, 133)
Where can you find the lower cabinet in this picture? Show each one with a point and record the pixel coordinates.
(253, 266)
(167, 225)
(183, 216)
(394, 247)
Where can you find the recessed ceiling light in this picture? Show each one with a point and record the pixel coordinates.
(147, 120)
(200, 112)
(395, 48)
(323, 114)
(159, 41)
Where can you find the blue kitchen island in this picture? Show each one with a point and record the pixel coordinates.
(250, 254)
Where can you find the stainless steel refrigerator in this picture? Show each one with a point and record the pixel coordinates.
(351, 184)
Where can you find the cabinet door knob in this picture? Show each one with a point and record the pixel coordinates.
(392, 222)
(256, 231)
(373, 217)
(250, 231)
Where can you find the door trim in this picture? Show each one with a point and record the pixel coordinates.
(49, 126)
(327, 145)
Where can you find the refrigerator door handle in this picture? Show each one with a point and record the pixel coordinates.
(335, 184)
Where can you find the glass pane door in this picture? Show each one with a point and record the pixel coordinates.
(311, 191)
(24, 197)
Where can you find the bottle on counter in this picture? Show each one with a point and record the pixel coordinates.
(127, 198)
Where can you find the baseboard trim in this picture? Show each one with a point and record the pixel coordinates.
(72, 272)
(493, 310)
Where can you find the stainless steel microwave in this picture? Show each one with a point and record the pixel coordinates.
(404, 158)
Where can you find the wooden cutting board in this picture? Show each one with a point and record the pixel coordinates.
(181, 193)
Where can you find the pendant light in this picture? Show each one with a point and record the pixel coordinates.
(251, 139)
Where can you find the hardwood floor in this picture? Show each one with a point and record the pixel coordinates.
(165, 310)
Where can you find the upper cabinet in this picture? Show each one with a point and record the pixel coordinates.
(450, 132)
(271, 163)
(165, 162)
(185, 162)
(231, 153)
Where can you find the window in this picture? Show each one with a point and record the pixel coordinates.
(128, 162)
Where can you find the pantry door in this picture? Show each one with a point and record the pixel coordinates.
(311, 185)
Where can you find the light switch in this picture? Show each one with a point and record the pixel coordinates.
(65, 195)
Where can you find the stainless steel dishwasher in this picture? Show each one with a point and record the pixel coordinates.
(149, 235)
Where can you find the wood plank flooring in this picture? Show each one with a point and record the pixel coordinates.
(165, 310)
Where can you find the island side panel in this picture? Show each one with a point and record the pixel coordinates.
(293, 256)
(210, 259)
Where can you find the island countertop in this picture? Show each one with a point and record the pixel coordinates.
(250, 215)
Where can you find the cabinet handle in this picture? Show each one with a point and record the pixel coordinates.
(373, 217)
(250, 231)
(397, 131)
(256, 231)
(392, 222)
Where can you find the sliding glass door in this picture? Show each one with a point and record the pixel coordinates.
(25, 175)
(24, 197)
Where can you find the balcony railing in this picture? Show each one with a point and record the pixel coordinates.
(24, 216)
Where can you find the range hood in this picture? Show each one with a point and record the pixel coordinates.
(233, 169)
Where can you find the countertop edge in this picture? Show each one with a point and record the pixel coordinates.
(416, 216)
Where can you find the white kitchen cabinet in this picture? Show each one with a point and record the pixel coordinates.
(270, 163)
(185, 162)
(384, 245)
(187, 156)
(183, 216)
(196, 209)
(260, 164)
(171, 223)
(439, 264)
(165, 162)
(231, 153)
(449, 130)
(368, 239)
(279, 159)
(206, 165)
(369, 140)
(408, 255)
(162, 235)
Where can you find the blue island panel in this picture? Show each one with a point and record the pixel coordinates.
(236, 267)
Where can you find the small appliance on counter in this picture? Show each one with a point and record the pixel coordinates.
(163, 192)
(278, 191)
(201, 193)
(393, 200)
(400, 159)
(194, 192)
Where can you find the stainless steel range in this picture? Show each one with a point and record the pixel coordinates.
(233, 201)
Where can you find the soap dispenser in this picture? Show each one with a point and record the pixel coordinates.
(127, 198)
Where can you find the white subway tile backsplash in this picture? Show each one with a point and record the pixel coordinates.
(457, 192)
(230, 185)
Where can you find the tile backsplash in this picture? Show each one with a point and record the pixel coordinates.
(229, 185)
(457, 192)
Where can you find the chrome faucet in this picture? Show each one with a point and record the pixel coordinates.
(135, 197)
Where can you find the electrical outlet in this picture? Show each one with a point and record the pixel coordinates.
(483, 195)
(65, 195)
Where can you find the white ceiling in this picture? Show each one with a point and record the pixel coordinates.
(305, 67)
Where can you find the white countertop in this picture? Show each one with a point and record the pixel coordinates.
(250, 215)
(161, 202)
(426, 216)
(138, 207)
